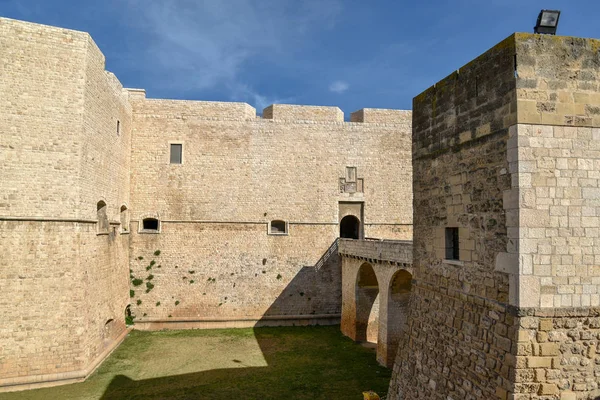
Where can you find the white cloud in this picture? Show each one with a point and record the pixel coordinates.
(339, 87)
(245, 92)
(206, 44)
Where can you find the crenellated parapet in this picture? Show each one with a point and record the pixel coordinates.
(279, 113)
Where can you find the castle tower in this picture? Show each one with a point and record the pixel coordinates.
(506, 159)
(65, 142)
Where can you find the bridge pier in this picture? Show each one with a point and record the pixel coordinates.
(376, 281)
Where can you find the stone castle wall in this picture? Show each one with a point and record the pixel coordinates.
(516, 172)
(554, 208)
(64, 287)
(74, 138)
(556, 170)
(239, 172)
(104, 175)
(458, 331)
(504, 149)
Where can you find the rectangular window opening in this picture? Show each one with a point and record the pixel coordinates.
(150, 225)
(176, 153)
(278, 227)
(452, 248)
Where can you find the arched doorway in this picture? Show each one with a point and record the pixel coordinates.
(350, 227)
(367, 305)
(398, 305)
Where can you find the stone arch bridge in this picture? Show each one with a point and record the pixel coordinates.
(376, 284)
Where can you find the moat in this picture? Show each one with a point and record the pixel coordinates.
(260, 363)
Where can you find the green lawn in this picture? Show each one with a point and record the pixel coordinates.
(261, 363)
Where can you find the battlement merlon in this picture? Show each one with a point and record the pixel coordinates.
(290, 112)
(381, 116)
(190, 108)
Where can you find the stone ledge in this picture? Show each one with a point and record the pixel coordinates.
(218, 323)
(555, 312)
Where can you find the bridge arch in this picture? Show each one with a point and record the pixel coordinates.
(367, 304)
(376, 291)
(398, 305)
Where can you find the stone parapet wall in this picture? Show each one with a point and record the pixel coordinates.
(477, 99)
(381, 250)
(557, 80)
(380, 116)
(288, 112)
(165, 108)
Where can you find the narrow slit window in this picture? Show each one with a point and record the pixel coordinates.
(452, 248)
(278, 227)
(102, 224)
(176, 153)
(118, 127)
(124, 219)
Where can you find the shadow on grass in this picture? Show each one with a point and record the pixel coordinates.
(302, 362)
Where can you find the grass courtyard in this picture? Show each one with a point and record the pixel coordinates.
(260, 363)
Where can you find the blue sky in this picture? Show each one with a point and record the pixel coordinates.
(351, 54)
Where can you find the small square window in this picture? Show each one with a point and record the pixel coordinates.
(452, 249)
(150, 225)
(176, 153)
(278, 227)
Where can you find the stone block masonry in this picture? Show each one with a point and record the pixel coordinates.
(95, 217)
(376, 282)
(64, 286)
(504, 152)
(239, 173)
(84, 162)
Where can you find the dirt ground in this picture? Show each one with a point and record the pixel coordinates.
(261, 363)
